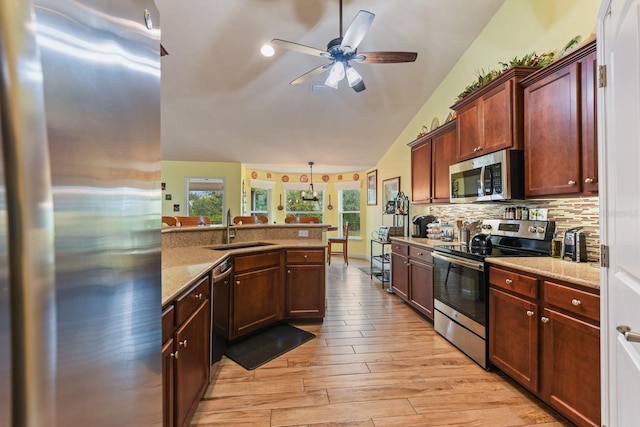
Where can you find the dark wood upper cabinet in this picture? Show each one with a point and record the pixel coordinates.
(491, 118)
(560, 127)
(431, 157)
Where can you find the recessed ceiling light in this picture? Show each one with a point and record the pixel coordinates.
(267, 50)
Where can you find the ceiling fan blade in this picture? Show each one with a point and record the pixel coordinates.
(385, 57)
(357, 30)
(306, 76)
(299, 48)
(359, 87)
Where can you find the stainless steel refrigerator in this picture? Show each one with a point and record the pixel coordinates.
(80, 297)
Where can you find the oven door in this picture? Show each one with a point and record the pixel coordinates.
(460, 302)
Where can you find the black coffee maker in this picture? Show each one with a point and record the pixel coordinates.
(420, 225)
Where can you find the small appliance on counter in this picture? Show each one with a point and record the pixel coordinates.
(574, 245)
(447, 232)
(420, 225)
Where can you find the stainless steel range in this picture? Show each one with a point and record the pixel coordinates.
(461, 279)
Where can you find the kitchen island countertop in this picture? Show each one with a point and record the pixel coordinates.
(182, 267)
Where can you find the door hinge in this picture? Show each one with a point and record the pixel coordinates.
(602, 76)
(604, 256)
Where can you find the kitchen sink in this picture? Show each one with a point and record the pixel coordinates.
(239, 245)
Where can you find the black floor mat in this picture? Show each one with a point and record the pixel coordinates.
(259, 349)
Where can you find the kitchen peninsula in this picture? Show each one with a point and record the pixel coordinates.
(212, 290)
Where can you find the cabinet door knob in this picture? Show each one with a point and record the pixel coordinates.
(475, 149)
(288, 271)
(544, 319)
(508, 281)
(198, 296)
(305, 257)
(576, 302)
(571, 182)
(183, 343)
(588, 181)
(237, 282)
(530, 313)
(174, 354)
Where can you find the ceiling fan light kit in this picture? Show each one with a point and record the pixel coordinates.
(344, 49)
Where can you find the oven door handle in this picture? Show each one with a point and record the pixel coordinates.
(478, 266)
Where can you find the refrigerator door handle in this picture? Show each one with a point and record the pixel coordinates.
(30, 233)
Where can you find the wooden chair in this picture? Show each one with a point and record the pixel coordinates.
(302, 220)
(193, 220)
(340, 240)
(263, 219)
(169, 220)
(245, 220)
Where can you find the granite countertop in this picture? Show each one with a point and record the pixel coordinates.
(579, 273)
(421, 241)
(182, 267)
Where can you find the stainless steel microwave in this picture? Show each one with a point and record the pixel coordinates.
(492, 177)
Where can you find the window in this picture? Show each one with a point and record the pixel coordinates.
(206, 197)
(296, 206)
(349, 210)
(260, 201)
(261, 197)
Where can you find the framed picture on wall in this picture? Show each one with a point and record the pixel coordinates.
(390, 190)
(372, 187)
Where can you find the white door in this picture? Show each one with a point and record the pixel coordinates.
(619, 144)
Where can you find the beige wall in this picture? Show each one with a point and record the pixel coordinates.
(518, 28)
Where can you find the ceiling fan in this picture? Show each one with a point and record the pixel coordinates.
(342, 50)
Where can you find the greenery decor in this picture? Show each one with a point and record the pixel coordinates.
(529, 60)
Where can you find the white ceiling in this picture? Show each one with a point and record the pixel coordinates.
(222, 101)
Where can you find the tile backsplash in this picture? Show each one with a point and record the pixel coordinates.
(567, 213)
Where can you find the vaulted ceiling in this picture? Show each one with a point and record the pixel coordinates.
(222, 101)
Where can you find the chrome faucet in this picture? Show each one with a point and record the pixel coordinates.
(228, 231)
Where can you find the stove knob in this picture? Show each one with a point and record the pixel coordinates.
(540, 230)
(486, 226)
(532, 229)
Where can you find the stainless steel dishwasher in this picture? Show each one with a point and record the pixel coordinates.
(220, 278)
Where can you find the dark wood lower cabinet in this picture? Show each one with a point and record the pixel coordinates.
(305, 284)
(186, 331)
(412, 276)
(513, 338)
(257, 300)
(546, 336)
(168, 384)
(421, 285)
(571, 367)
(400, 275)
(192, 363)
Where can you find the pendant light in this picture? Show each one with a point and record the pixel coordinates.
(311, 195)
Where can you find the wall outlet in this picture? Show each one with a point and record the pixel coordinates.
(303, 233)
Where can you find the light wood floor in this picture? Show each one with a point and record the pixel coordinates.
(374, 362)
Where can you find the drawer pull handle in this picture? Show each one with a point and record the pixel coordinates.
(183, 343)
(530, 313)
(238, 282)
(571, 182)
(544, 319)
(288, 271)
(198, 296)
(576, 302)
(174, 354)
(628, 335)
(305, 257)
(588, 181)
(508, 281)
